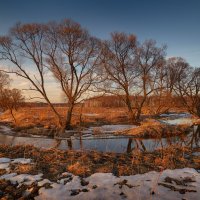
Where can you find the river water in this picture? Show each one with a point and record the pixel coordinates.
(109, 143)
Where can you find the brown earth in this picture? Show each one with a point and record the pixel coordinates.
(52, 162)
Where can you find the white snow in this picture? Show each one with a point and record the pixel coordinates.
(22, 178)
(5, 160)
(4, 166)
(111, 128)
(136, 187)
(22, 160)
(44, 181)
(179, 121)
(8, 176)
(59, 191)
(151, 185)
(177, 115)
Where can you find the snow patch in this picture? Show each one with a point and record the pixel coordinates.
(166, 185)
(151, 185)
(179, 121)
(177, 115)
(4, 166)
(24, 178)
(112, 128)
(5, 160)
(22, 160)
(44, 181)
(177, 118)
(8, 176)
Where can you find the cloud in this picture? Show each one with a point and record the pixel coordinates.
(51, 86)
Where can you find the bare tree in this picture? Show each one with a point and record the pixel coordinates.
(72, 56)
(159, 101)
(4, 80)
(118, 67)
(176, 67)
(11, 100)
(150, 60)
(187, 85)
(24, 48)
(164, 97)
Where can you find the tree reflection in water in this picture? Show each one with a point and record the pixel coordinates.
(69, 143)
(137, 144)
(189, 139)
(104, 143)
(58, 143)
(195, 137)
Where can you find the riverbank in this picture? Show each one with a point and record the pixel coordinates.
(150, 128)
(41, 122)
(53, 162)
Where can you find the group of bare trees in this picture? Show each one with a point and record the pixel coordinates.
(10, 99)
(72, 56)
(81, 63)
(65, 49)
(4, 80)
(139, 73)
(186, 84)
(132, 71)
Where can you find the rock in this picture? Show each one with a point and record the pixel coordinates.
(85, 190)
(94, 186)
(75, 192)
(84, 182)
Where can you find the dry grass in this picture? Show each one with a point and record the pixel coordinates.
(30, 116)
(23, 168)
(78, 168)
(52, 163)
(151, 128)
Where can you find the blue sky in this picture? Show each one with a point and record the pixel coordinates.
(171, 22)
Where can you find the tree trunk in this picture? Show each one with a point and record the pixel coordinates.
(69, 117)
(130, 110)
(69, 143)
(138, 114)
(56, 113)
(198, 109)
(11, 112)
(128, 150)
(139, 109)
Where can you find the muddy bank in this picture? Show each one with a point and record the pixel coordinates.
(149, 129)
(52, 162)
